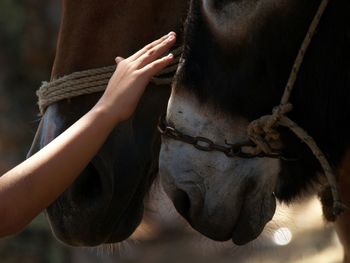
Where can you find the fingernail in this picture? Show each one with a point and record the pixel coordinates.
(171, 33)
(170, 55)
(171, 37)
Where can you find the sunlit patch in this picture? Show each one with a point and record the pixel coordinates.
(282, 236)
(335, 239)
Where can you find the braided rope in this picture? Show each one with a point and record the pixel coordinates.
(73, 85)
(302, 51)
(338, 206)
(93, 81)
(263, 130)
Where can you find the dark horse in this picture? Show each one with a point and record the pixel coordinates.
(105, 204)
(237, 59)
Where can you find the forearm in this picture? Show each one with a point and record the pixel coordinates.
(34, 184)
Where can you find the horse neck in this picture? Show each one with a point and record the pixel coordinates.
(93, 33)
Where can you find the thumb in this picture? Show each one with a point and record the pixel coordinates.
(119, 59)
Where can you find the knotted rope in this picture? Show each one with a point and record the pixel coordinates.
(263, 130)
(93, 81)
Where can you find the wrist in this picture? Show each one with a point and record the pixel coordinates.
(106, 113)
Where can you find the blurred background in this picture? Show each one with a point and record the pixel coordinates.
(28, 31)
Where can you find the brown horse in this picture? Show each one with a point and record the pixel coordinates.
(237, 59)
(105, 204)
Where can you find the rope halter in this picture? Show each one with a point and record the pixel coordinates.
(93, 81)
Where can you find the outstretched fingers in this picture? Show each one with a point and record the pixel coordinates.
(156, 66)
(154, 53)
(132, 75)
(149, 47)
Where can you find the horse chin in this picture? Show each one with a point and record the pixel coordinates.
(126, 227)
(214, 233)
(248, 225)
(71, 234)
(253, 218)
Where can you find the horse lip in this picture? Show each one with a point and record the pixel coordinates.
(213, 232)
(244, 231)
(241, 241)
(119, 232)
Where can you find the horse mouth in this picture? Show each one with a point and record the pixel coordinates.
(103, 230)
(246, 226)
(125, 227)
(252, 220)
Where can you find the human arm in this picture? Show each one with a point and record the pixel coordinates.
(34, 184)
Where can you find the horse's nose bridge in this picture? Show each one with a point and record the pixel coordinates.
(51, 125)
(35, 147)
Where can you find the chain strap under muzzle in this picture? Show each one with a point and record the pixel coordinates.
(205, 144)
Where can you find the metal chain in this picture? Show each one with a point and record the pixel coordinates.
(205, 144)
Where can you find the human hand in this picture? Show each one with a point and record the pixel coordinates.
(132, 75)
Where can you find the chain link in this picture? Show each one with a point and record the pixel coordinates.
(207, 145)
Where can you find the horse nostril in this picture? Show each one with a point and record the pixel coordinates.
(182, 202)
(88, 186)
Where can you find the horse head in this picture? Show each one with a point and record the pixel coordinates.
(236, 62)
(105, 204)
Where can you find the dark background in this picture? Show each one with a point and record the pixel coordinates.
(28, 32)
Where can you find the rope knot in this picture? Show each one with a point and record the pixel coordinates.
(277, 113)
(263, 130)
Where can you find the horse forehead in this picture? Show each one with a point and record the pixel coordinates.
(236, 19)
(243, 10)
